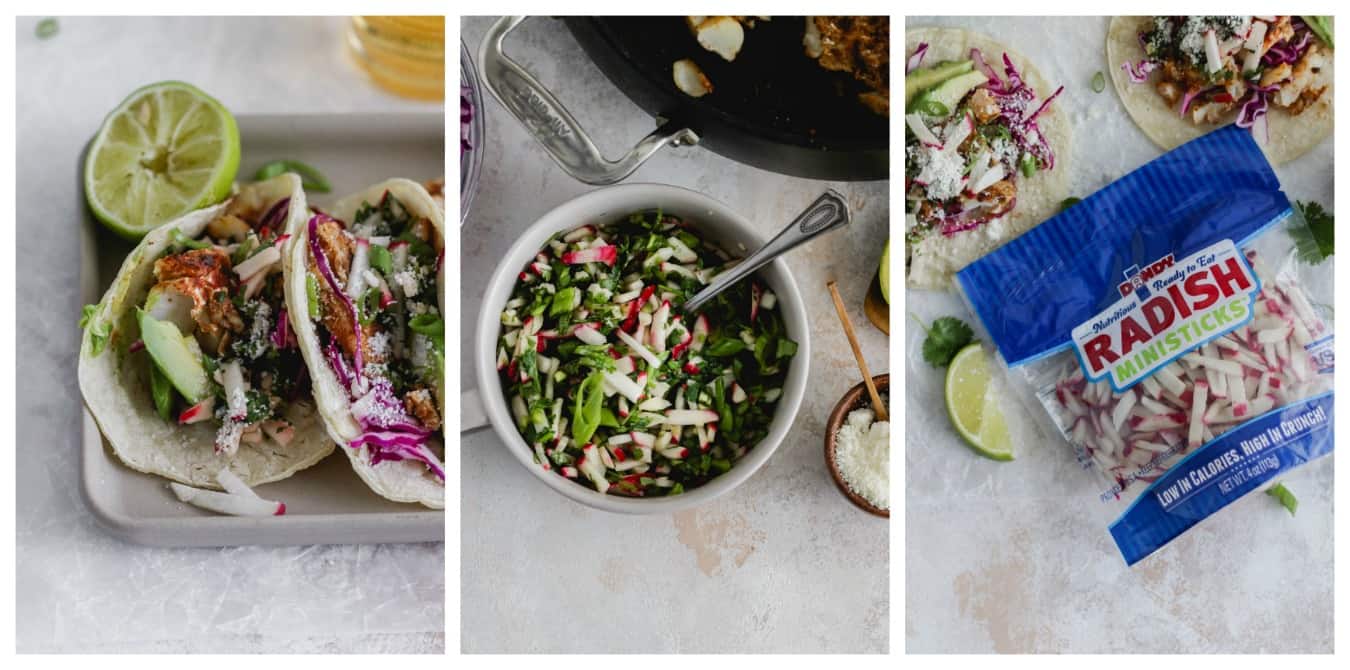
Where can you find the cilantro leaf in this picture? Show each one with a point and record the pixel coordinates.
(946, 337)
(1285, 496)
(1316, 241)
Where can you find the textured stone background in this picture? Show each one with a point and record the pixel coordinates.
(1015, 557)
(782, 564)
(79, 589)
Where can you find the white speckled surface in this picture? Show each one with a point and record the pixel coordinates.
(1015, 557)
(784, 563)
(78, 589)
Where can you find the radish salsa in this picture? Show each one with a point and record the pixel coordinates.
(609, 382)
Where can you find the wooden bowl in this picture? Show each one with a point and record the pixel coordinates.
(856, 398)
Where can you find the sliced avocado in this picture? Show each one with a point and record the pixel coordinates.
(925, 78)
(177, 355)
(949, 93)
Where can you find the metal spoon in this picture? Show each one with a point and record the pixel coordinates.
(828, 212)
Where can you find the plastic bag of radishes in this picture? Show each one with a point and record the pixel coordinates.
(1167, 326)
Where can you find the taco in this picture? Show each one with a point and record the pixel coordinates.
(1181, 76)
(365, 285)
(188, 363)
(984, 148)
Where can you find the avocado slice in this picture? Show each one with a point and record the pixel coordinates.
(925, 78)
(949, 93)
(176, 355)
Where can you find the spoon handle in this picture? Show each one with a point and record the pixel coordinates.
(828, 212)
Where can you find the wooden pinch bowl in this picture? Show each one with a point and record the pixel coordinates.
(855, 398)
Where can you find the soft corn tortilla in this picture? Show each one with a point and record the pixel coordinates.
(116, 384)
(400, 481)
(933, 261)
(1290, 136)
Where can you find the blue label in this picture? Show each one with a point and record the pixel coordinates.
(1233, 465)
(1143, 332)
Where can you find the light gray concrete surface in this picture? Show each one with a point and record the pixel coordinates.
(784, 563)
(78, 589)
(1015, 557)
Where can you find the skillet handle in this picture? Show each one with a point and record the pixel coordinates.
(552, 126)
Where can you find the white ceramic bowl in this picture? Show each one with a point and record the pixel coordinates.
(715, 222)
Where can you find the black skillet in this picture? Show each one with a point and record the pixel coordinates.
(773, 107)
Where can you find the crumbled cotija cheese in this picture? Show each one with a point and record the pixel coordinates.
(946, 170)
(862, 453)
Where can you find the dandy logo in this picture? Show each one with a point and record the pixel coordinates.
(1137, 278)
(1166, 309)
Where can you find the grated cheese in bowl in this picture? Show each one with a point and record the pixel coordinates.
(863, 456)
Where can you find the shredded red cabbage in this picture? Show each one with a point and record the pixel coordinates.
(1289, 51)
(281, 334)
(321, 261)
(275, 218)
(914, 60)
(1013, 98)
(380, 409)
(1014, 78)
(1252, 115)
(995, 84)
(1139, 73)
(1190, 97)
(397, 447)
(338, 363)
(962, 223)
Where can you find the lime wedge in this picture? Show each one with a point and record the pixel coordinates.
(973, 408)
(166, 150)
(885, 273)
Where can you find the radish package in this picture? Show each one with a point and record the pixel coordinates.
(1167, 327)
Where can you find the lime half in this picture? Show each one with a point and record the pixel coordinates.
(973, 408)
(166, 150)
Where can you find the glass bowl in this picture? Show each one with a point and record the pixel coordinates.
(473, 132)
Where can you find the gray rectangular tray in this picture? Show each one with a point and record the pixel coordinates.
(325, 504)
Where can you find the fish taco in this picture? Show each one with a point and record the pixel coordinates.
(1180, 77)
(985, 143)
(365, 286)
(188, 363)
